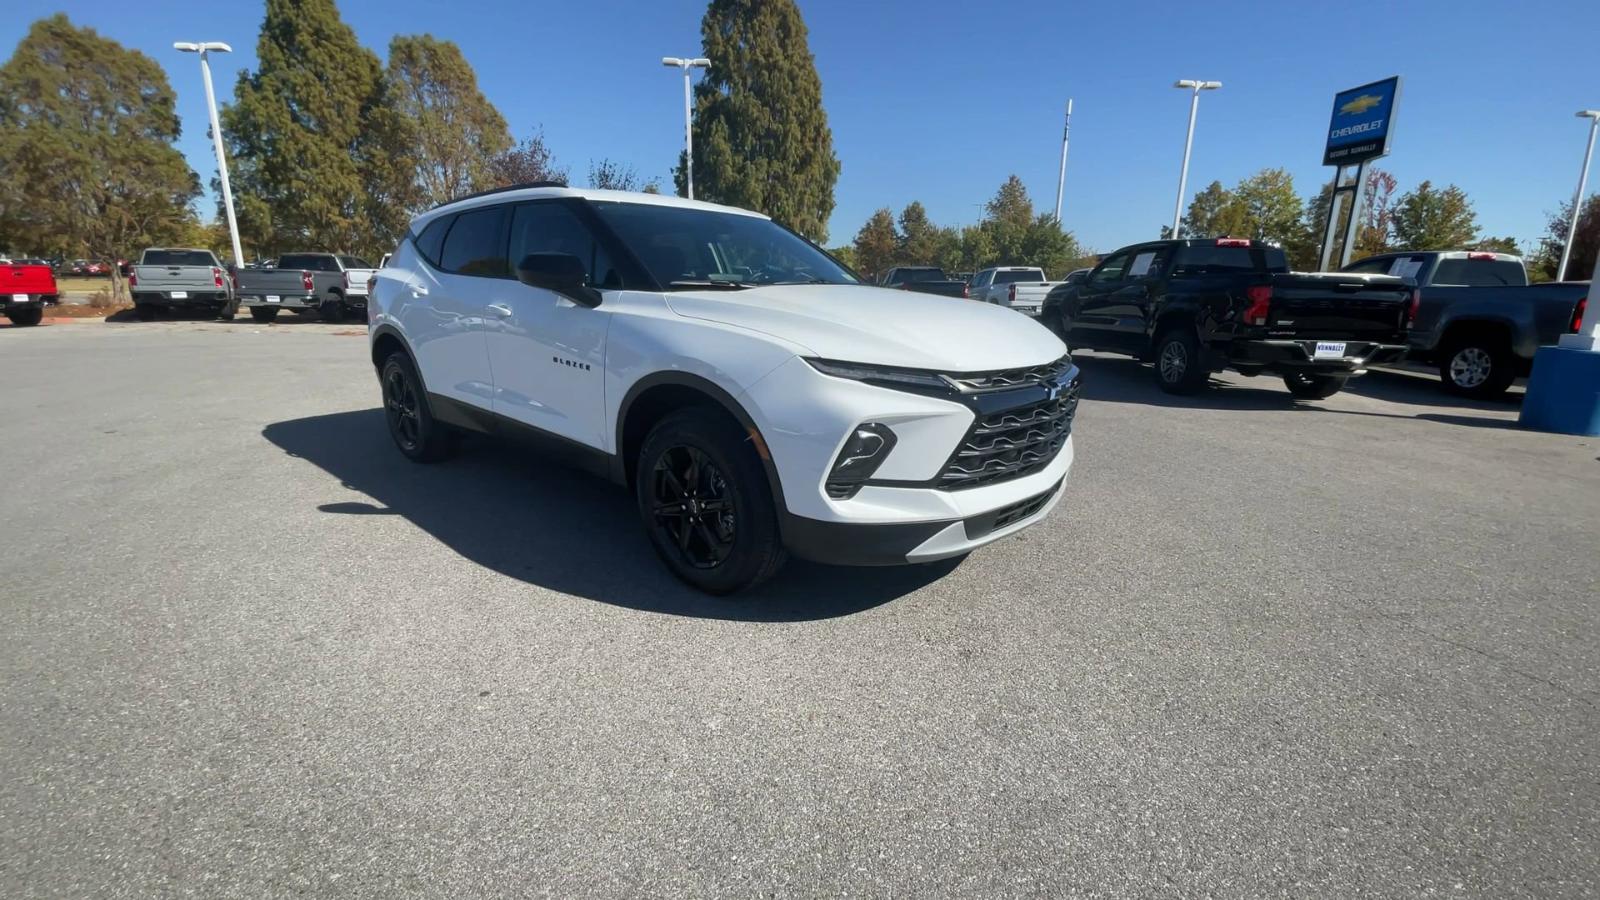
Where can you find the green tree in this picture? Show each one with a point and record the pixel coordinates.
(761, 135)
(1429, 219)
(1015, 236)
(87, 131)
(877, 244)
(919, 237)
(452, 132)
(1585, 243)
(313, 134)
(1210, 212)
(845, 254)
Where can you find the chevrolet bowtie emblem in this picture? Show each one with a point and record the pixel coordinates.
(1360, 105)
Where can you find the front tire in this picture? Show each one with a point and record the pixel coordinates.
(25, 317)
(1477, 366)
(416, 433)
(263, 313)
(1314, 387)
(706, 503)
(1179, 369)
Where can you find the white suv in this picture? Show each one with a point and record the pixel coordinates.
(751, 391)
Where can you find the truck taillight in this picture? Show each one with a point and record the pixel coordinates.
(1482, 256)
(1233, 242)
(306, 282)
(347, 281)
(966, 291)
(216, 276)
(1260, 297)
(1577, 314)
(1011, 294)
(1413, 307)
(133, 279)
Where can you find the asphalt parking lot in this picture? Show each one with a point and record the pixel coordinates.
(1341, 648)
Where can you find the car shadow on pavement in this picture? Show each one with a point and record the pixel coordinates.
(1114, 379)
(527, 518)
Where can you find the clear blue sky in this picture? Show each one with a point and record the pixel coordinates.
(938, 100)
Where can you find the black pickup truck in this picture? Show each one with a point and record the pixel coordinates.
(926, 279)
(1478, 319)
(1194, 307)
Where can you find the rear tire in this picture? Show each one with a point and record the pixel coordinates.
(25, 317)
(1179, 368)
(228, 311)
(144, 312)
(417, 434)
(263, 313)
(1479, 366)
(331, 311)
(1314, 387)
(706, 502)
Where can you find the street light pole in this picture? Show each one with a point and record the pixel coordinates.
(688, 122)
(1188, 143)
(1061, 181)
(1593, 115)
(205, 49)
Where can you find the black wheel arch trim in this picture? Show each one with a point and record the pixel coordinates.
(723, 399)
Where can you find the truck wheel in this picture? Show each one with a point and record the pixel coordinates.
(419, 436)
(228, 311)
(263, 313)
(24, 317)
(706, 503)
(1314, 387)
(144, 312)
(1179, 369)
(1477, 366)
(331, 311)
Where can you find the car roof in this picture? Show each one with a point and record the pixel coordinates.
(547, 191)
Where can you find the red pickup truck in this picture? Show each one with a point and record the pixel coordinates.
(24, 290)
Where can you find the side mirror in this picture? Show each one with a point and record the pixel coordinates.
(559, 272)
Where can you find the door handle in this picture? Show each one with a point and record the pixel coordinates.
(499, 309)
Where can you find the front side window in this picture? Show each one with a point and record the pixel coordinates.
(552, 227)
(1110, 270)
(476, 244)
(683, 247)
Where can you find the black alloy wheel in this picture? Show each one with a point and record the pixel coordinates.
(694, 506)
(405, 409)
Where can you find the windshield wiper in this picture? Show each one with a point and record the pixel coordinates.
(815, 279)
(724, 285)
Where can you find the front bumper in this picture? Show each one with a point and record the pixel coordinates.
(1301, 355)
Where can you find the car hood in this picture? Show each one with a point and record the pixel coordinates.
(856, 323)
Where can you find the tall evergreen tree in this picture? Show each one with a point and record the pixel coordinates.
(311, 133)
(877, 244)
(919, 237)
(1430, 219)
(86, 138)
(452, 131)
(761, 135)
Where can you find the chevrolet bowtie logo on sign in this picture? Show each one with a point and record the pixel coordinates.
(1360, 105)
(1359, 128)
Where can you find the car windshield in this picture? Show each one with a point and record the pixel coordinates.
(684, 247)
(177, 258)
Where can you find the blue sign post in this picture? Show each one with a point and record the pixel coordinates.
(1358, 132)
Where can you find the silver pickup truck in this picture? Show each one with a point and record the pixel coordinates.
(1022, 288)
(169, 278)
(331, 285)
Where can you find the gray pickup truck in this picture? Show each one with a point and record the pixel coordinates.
(170, 278)
(1478, 320)
(331, 285)
(925, 280)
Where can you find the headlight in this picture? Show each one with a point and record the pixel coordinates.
(887, 377)
(866, 448)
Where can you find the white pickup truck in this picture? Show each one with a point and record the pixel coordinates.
(1021, 288)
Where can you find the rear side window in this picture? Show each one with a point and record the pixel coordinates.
(354, 262)
(1203, 259)
(1479, 273)
(311, 262)
(178, 258)
(476, 244)
(431, 241)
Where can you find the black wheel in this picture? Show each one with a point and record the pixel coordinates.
(1314, 387)
(331, 311)
(145, 312)
(1179, 369)
(24, 317)
(405, 406)
(706, 503)
(1478, 365)
(263, 313)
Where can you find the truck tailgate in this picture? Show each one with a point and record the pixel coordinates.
(1339, 305)
(1028, 297)
(279, 282)
(180, 278)
(16, 280)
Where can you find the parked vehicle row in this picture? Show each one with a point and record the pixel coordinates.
(332, 285)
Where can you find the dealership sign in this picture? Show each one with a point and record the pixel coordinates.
(1363, 120)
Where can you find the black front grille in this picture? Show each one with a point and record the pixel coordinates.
(1009, 378)
(1014, 442)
